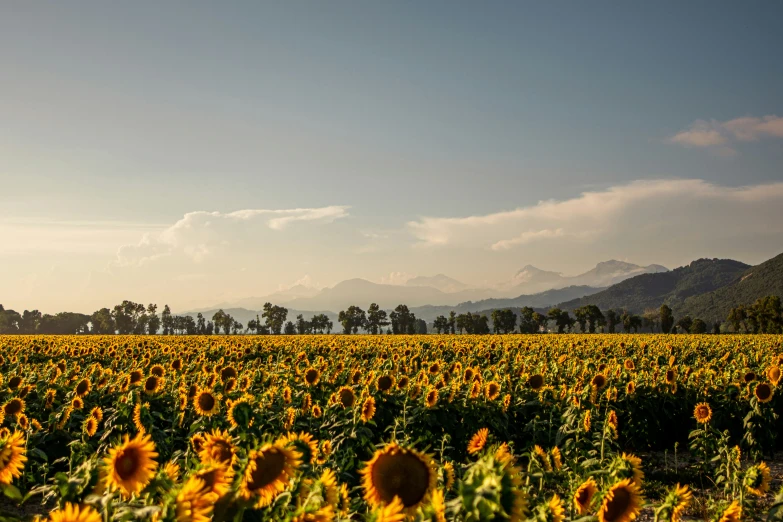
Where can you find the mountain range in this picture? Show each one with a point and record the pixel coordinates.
(443, 291)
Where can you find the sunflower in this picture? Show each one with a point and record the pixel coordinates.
(675, 503)
(630, 388)
(90, 426)
(671, 375)
(346, 397)
(438, 504)
(218, 478)
(536, 381)
(630, 466)
(557, 458)
(205, 403)
(305, 444)
(763, 392)
(137, 418)
(131, 465)
(97, 413)
(268, 471)
(395, 471)
(317, 412)
(555, 509)
(492, 391)
(77, 403)
(384, 383)
(733, 513)
(312, 376)
(153, 384)
(757, 479)
(478, 441)
(431, 399)
(368, 409)
(583, 496)
(135, 377)
(217, 447)
(83, 388)
(172, 470)
(394, 511)
(75, 513)
(586, 421)
(12, 456)
(598, 381)
(629, 365)
(621, 504)
(773, 374)
(194, 502)
(14, 407)
(702, 413)
(448, 476)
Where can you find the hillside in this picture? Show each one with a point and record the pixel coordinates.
(756, 282)
(672, 288)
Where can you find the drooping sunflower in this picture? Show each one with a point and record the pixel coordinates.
(492, 391)
(205, 403)
(395, 471)
(757, 479)
(622, 503)
(774, 374)
(194, 502)
(305, 444)
(217, 447)
(268, 471)
(448, 476)
(130, 466)
(557, 458)
(218, 478)
(478, 441)
(675, 503)
(555, 509)
(431, 399)
(368, 409)
(75, 513)
(583, 496)
(702, 413)
(12, 456)
(763, 392)
(733, 513)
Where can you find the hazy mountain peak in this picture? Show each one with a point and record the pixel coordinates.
(442, 282)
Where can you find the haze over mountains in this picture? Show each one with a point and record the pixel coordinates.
(530, 286)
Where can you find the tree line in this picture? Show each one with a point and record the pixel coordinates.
(764, 316)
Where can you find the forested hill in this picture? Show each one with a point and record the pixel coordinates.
(672, 288)
(754, 283)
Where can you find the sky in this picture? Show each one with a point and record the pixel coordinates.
(191, 152)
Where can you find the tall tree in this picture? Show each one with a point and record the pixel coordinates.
(352, 319)
(667, 319)
(153, 321)
(102, 322)
(275, 317)
(441, 324)
(376, 319)
(403, 321)
(166, 320)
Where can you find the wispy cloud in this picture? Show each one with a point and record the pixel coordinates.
(722, 136)
(199, 233)
(643, 210)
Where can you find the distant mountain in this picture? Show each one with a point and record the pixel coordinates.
(672, 288)
(441, 282)
(540, 300)
(755, 282)
(362, 292)
(281, 297)
(531, 280)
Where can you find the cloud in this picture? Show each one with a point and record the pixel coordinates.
(199, 234)
(720, 136)
(527, 237)
(396, 278)
(632, 216)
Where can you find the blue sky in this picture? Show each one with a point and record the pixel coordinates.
(120, 120)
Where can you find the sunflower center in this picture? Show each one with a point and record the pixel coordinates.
(403, 475)
(311, 376)
(384, 383)
(347, 398)
(206, 401)
(616, 507)
(269, 467)
(763, 391)
(127, 464)
(221, 451)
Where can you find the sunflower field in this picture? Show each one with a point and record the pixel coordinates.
(390, 428)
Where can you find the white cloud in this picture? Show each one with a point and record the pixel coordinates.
(396, 278)
(719, 136)
(633, 216)
(198, 234)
